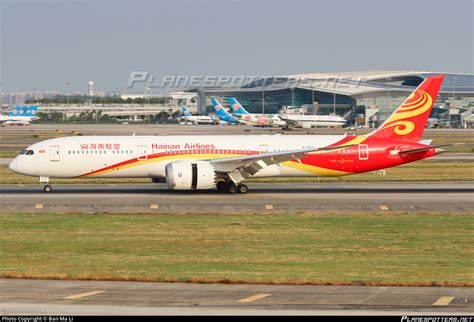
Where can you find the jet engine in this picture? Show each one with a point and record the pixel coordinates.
(190, 175)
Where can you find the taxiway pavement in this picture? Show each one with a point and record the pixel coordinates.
(56, 297)
(291, 197)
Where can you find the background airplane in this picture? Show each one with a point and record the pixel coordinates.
(187, 117)
(21, 115)
(222, 114)
(308, 121)
(240, 113)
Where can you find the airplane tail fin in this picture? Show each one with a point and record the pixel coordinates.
(220, 111)
(31, 110)
(409, 119)
(184, 111)
(18, 111)
(236, 107)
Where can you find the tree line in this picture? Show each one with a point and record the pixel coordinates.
(96, 116)
(82, 99)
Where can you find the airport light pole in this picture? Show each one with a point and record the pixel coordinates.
(67, 92)
(388, 95)
(1, 92)
(454, 88)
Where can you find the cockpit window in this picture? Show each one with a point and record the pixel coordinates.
(23, 151)
(30, 152)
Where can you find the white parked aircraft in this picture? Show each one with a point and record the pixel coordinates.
(307, 121)
(187, 117)
(224, 161)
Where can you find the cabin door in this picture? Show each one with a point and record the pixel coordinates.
(54, 153)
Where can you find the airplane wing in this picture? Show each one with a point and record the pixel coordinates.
(251, 164)
(287, 120)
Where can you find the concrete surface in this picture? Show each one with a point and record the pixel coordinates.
(452, 197)
(34, 297)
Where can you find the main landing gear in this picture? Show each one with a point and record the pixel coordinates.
(231, 187)
(47, 188)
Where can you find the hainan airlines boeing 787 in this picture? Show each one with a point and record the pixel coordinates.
(224, 162)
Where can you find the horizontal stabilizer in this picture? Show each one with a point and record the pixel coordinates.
(405, 152)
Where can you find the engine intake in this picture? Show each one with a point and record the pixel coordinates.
(190, 175)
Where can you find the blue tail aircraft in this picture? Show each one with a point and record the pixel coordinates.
(222, 114)
(185, 112)
(236, 107)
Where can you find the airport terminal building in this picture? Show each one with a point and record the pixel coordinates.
(363, 98)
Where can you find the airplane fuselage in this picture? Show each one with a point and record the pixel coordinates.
(147, 156)
(260, 119)
(314, 120)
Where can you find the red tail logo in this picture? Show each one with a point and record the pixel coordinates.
(409, 119)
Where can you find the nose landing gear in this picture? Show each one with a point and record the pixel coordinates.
(47, 187)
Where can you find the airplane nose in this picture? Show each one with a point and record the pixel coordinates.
(13, 165)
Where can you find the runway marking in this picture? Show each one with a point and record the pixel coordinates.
(269, 207)
(253, 298)
(81, 295)
(444, 300)
(39, 206)
(154, 206)
(383, 207)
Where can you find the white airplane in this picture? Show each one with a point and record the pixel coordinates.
(308, 121)
(21, 115)
(241, 114)
(225, 161)
(187, 117)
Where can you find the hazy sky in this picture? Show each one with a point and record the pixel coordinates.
(46, 43)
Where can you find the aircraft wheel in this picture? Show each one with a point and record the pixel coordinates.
(47, 188)
(231, 188)
(242, 189)
(221, 186)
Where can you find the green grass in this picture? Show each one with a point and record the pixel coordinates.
(8, 154)
(459, 149)
(375, 249)
(416, 171)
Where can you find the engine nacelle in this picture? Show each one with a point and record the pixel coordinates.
(190, 175)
